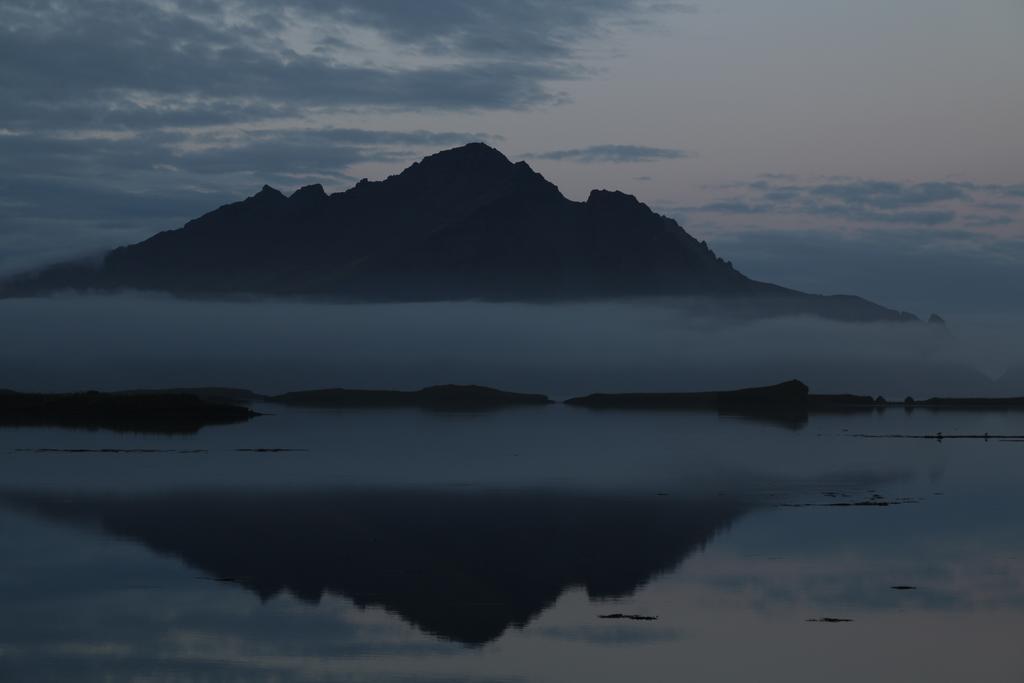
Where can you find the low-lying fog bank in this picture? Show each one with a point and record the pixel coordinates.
(139, 341)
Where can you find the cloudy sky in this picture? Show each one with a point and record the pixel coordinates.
(875, 147)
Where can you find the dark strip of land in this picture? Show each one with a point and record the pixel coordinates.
(791, 395)
(939, 436)
(128, 412)
(788, 394)
(187, 410)
(440, 397)
(968, 403)
(788, 404)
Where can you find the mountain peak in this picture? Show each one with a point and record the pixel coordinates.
(268, 192)
(308, 194)
(612, 197)
(316, 189)
(479, 150)
(472, 157)
(615, 203)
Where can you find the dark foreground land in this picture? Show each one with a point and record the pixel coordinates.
(166, 413)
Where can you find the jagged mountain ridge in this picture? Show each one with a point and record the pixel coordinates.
(465, 223)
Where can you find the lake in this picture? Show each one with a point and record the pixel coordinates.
(528, 544)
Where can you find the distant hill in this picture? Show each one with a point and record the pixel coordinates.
(465, 223)
(438, 397)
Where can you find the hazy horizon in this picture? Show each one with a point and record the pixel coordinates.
(132, 341)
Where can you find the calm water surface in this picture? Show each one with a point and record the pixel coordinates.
(402, 545)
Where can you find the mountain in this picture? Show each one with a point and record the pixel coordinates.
(465, 223)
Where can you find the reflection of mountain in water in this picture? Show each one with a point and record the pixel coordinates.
(462, 566)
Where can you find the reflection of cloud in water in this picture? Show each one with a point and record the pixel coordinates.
(610, 635)
(954, 566)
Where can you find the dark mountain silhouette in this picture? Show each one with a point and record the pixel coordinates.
(462, 224)
(462, 566)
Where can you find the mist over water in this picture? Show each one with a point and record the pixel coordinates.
(142, 341)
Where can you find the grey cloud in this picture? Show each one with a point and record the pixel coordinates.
(680, 7)
(269, 150)
(1008, 207)
(781, 195)
(987, 221)
(268, 157)
(862, 215)
(735, 206)
(116, 113)
(94, 79)
(865, 201)
(609, 636)
(56, 198)
(612, 154)
(526, 29)
(778, 176)
(361, 136)
(322, 153)
(889, 195)
(125, 64)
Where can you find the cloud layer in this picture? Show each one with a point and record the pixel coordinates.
(857, 200)
(612, 154)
